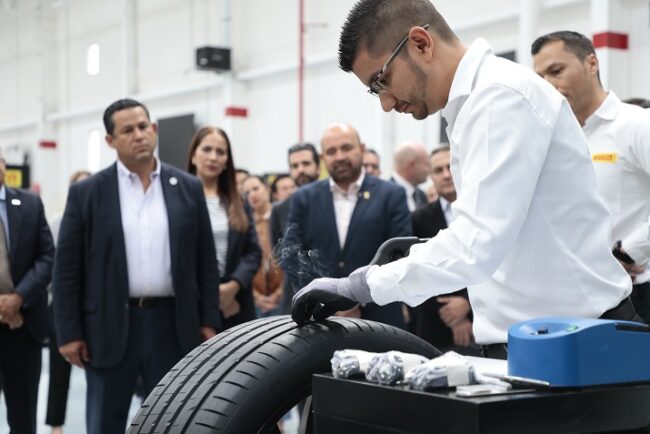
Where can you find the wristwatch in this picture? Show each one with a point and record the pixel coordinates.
(621, 255)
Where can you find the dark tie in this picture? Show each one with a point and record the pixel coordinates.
(420, 198)
(6, 282)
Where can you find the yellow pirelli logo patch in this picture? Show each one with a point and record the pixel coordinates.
(611, 157)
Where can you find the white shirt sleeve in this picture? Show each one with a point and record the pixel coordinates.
(637, 244)
(501, 143)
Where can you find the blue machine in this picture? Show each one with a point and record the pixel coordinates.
(578, 352)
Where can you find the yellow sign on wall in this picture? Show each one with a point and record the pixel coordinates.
(14, 178)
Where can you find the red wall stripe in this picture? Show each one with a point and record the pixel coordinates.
(239, 112)
(610, 40)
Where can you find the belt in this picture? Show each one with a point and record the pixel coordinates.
(495, 351)
(148, 302)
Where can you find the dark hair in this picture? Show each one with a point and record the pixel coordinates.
(441, 148)
(372, 151)
(278, 178)
(641, 102)
(259, 178)
(305, 147)
(574, 42)
(120, 104)
(378, 26)
(244, 171)
(226, 184)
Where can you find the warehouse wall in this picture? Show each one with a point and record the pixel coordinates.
(147, 52)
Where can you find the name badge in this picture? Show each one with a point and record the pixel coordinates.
(611, 158)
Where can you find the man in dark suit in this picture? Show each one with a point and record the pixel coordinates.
(304, 167)
(135, 277)
(26, 255)
(445, 321)
(411, 168)
(337, 225)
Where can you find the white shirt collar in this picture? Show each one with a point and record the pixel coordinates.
(465, 75)
(124, 172)
(464, 80)
(404, 184)
(3, 193)
(608, 109)
(353, 188)
(444, 203)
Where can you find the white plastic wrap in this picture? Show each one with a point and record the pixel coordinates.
(348, 363)
(449, 370)
(389, 368)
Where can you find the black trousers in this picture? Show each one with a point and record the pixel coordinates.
(641, 298)
(624, 311)
(57, 393)
(20, 367)
(152, 350)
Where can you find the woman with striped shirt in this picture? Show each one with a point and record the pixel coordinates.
(235, 239)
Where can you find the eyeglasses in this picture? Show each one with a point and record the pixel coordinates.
(377, 86)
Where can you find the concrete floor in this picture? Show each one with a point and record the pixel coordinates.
(75, 417)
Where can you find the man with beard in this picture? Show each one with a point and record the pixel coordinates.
(340, 222)
(530, 235)
(304, 166)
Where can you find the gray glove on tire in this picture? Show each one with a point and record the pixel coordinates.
(326, 296)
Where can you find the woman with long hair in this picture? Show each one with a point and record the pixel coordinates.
(267, 283)
(235, 239)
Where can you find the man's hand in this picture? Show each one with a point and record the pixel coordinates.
(230, 310)
(207, 332)
(325, 296)
(632, 269)
(14, 322)
(266, 303)
(75, 353)
(455, 309)
(10, 304)
(227, 292)
(462, 332)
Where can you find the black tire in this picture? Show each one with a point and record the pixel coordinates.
(245, 379)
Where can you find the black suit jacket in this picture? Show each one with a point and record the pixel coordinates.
(311, 245)
(242, 262)
(90, 284)
(31, 255)
(279, 217)
(427, 222)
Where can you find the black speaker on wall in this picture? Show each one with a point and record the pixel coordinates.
(213, 58)
(174, 136)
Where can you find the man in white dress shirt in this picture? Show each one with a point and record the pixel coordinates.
(530, 235)
(618, 136)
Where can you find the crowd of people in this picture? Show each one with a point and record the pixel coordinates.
(152, 260)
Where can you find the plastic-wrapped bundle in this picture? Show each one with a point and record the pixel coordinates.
(449, 370)
(389, 368)
(347, 363)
